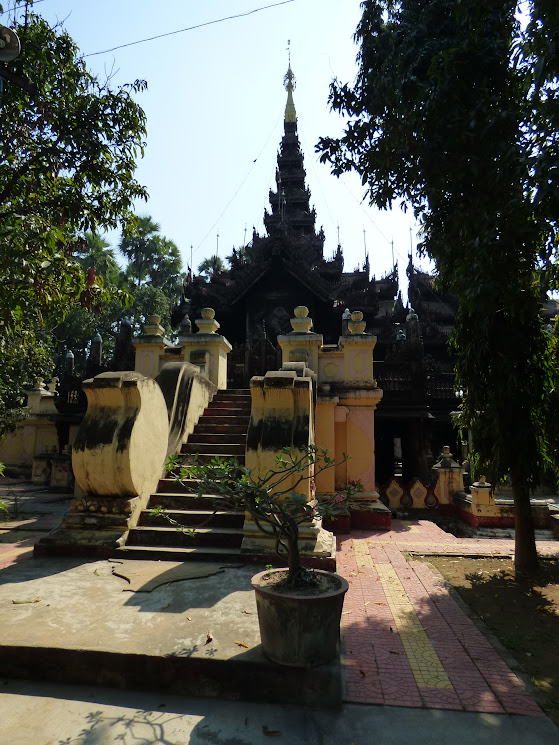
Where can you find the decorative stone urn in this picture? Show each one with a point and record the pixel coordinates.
(153, 326)
(301, 324)
(207, 324)
(357, 324)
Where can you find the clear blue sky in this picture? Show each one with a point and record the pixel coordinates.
(214, 106)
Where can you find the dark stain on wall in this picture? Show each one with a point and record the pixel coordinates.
(124, 433)
(95, 432)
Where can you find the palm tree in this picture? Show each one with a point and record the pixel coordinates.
(211, 266)
(166, 266)
(140, 247)
(98, 253)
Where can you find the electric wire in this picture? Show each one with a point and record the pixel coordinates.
(318, 180)
(190, 28)
(23, 5)
(396, 251)
(352, 195)
(239, 187)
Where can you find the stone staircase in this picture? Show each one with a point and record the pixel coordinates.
(221, 431)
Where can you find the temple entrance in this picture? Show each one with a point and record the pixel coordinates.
(247, 360)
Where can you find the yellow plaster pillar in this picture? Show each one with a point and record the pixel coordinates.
(150, 348)
(483, 499)
(36, 434)
(326, 438)
(301, 345)
(449, 475)
(208, 350)
(360, 438)
(347, 372)
(282, 415)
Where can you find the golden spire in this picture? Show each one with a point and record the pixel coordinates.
(289, 83)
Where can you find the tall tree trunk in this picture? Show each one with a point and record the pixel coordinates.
(525, 554)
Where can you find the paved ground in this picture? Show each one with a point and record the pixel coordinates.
(40, 714)
(409, 649)
(408, 643)
(33, 512)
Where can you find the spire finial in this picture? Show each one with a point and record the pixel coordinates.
(289, 83)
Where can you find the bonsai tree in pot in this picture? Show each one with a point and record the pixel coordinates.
(303, 603)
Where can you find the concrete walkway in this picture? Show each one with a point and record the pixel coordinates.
(408, 648)
(40, 714)
(33, 511)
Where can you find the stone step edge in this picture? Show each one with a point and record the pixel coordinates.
(217, 513)
(163, 529)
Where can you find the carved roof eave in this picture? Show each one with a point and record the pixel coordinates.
(234, 298)
(301, 276)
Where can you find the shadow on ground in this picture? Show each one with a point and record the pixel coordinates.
(84, 716)
(522, 614)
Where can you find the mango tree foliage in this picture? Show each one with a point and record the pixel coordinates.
(68, 148)
(453, 111)
(22, 364)
(536, 57)
(96, 252)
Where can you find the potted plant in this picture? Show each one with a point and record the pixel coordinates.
(299, 608)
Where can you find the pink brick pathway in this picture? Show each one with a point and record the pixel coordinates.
(407, 642)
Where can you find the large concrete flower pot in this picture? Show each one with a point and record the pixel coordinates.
(299, 630)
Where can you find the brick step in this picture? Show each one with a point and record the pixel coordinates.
(171, 537)
(206, 428)
(208, 457)
(171, 485)
(238, 400)
(222, 419)
(228, 449)
(173, 553)
(190, 518)
(231, 403)
(232, 411)
(235, 392)
(182, 500)
(218, 437)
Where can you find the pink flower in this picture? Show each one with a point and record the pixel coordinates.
(340, 498)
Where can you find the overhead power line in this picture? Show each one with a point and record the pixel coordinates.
(238, 188)
(190, 28)
(23, 5)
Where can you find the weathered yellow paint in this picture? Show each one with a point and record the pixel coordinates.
(361, 446)
(150, 348)
(121, 445)
(331, 365)
(217, 348)
(358, 358)
(301, 347)
(418, 492)
(280, 402)
(282, 415)
(37, 433)
(448, 483)
(483, 500)
(326, 438)
(356, 433)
